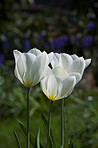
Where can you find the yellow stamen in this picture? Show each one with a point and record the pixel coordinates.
(27, 84)
(51, 98)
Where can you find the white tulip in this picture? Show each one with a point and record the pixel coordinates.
(66, 72)
(72, 65)
(57, 85)
(30, 67)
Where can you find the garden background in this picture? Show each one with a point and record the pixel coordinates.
(69, 26)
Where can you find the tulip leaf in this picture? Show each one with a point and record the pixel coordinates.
(52, 142)
(38, 140)
(17, 139)
(71, 145)
(32, 137)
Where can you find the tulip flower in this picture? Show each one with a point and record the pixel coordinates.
(30, 67)
(72, 65)
(57, 84)
(66, 72)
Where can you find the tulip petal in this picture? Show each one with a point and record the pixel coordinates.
(39, 67)
(35, 51)
(87, 62)
(77, 75)
(49, 86)
(59, 71)
(74, 56)
(44, 86)
(52, 86)
(20, 68)
(78, 66)
(66, 87)
(55, 60)
(65, 61)
(28, 60)
(50, 56)
(16, 55)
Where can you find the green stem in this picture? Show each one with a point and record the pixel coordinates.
(49, 122)
(27, 140)
(62, 123)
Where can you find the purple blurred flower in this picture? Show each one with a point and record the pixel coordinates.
(90, 25)
(1, 58)
(87, 41)
(74, 20)
(27, 45)
(40, 37)
(52, 45)
(5, 45)
(76, 40)
(64, 39)
(58, 43)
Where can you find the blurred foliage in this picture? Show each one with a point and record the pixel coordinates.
(51, 30)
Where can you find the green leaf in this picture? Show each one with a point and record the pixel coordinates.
(52, 142)
(23, 128)
(32, 137)
(45, 122)
(38, 139)
(17, 139)
(71, 145)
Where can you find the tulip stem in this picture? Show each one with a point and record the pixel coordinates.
(49, 122)
(27, 140)
(62, 123)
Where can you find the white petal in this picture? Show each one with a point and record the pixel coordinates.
(78, 66)
(35, 51)
(55, 60)
(28, 61)
(74, 56)
(20, 68)
(77, 75)
(50, 56)
(44, 86)
(59, 71)
(52, 86)
(39, 67)
(16, 55)
(87, 62)
(66, 87)
(65, 61)
(49, 86)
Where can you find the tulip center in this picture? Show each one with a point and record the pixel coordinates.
(51, 98)
(27, 84)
